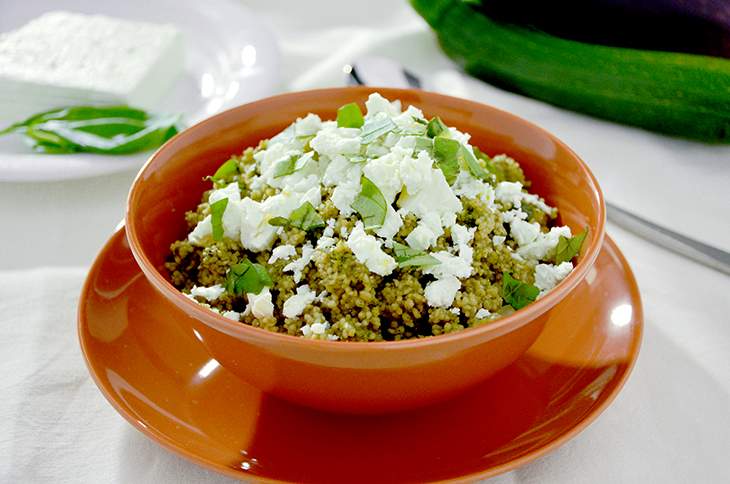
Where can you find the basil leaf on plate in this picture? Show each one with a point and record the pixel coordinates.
(435, 127)
(375, 128)
(516, 293)
(350, 116)
(370, 204)
(568, 248)
(406, 256)
(112, 130)
(216, 217)
(446, 152)
(247, 277)
(423, 143)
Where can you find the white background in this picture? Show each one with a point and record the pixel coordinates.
(670, 424)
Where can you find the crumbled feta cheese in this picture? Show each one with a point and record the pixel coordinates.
(326, 243)
(498, 240)
(482, 314)
(544, 245)
(383, 172)
(345, 193)
(512, 215)
(391, 225)
(210, 293)
(260, 304)
(378, 104)
(416, 172)
(282, 252)
(421, 238)
(450, 265)
(329, 230)
(462, 235)
(294, 306)
(441, 292)
(523, 232)
(317, 331)
(456, 311)
(367, 251)
(234, 315)
(548, 276)
(307, 125)
(298, 265)
(201, 232)
(331, 143)
(435, 197)
(511, 193)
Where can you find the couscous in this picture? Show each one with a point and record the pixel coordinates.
(382, 226)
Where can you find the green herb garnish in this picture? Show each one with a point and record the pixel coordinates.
(376, 128)
(406, 256)
(226, 170)
(290, 164)
(435, 127)
(446, 152)
(517, 293)
(568, 248)
(304, 218)
(216, 217)
(350, 116)
(473, 165)
(370, 204)
(247, 277)
(109, 130)
(424, 143)
(419, 120)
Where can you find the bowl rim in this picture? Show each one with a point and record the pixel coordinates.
(500, 326)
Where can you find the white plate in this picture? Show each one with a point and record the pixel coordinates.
(231, 58)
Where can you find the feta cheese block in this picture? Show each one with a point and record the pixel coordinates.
(63, 58)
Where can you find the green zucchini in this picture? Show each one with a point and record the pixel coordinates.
(677, 94)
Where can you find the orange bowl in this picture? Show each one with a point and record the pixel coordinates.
(355, 377)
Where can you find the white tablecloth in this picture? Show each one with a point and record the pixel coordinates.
(671, 423)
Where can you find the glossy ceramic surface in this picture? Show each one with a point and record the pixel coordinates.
(231, 58)
(355, 377)
(158, 375)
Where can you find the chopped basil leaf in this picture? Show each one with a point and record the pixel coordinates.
(569, 247)
(474, 167)
(226, 170)
(304, 218)
(291, 164)
(517, 293)
(424, 143)
(446, 151)
(285, 167)
(216, 217)
(406, 256)
(350, 116)
(435, 127)
(370, 204)
(248, 278)
(279, 221)
(376, 128)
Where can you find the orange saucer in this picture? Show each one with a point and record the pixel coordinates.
(162, 380)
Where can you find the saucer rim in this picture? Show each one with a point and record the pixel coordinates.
(171, 445)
